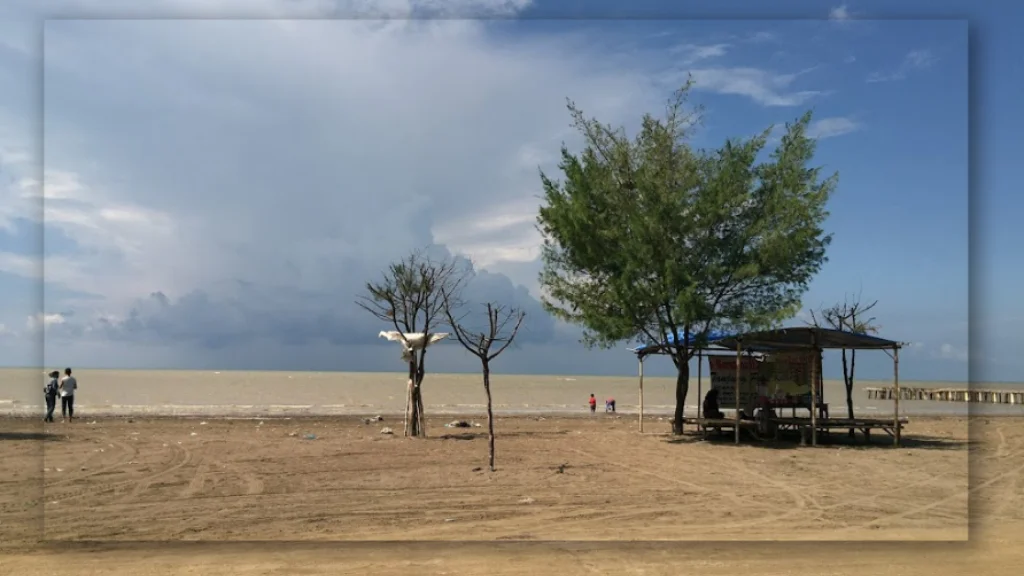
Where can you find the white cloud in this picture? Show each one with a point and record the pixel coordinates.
(914, 60)
(43, 321)
(252, 175)
(831, 127)
(951, 352)
(839, 13)
(761, 37)
(692, 53)
(21, 265)
(108, 230)
(764, 87)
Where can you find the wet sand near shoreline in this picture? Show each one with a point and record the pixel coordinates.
(224, 393)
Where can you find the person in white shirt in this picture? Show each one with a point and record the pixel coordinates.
(68, 386)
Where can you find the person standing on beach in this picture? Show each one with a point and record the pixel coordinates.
(50, 392)
(68, 386)
(593, 404)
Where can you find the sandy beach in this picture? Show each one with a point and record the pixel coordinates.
(106, 492)
(164, 471)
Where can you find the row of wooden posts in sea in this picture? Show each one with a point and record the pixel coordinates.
(948, 395)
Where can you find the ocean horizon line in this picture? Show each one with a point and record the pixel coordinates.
(903, 381)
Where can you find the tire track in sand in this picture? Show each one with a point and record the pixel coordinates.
(182, 457)
(799, 502)
(128, 453)
(1002, 453)
(204, 517)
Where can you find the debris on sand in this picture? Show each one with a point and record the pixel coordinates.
(527, 500)
(310, 436)
(457, 424)
(373, 419)
(386, 430)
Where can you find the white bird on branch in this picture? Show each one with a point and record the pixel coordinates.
(412, 341)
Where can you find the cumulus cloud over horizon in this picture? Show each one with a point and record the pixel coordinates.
(226, 182)
(217, 192)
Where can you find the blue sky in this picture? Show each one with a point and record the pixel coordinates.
(218, 191)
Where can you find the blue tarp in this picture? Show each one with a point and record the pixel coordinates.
(712, 337)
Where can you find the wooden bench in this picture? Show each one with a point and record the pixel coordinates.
(719, 424)
(865, 425)
(792, 407)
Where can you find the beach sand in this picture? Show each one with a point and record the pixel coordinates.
(139, 489)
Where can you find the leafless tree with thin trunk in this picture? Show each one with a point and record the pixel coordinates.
(502, 326)
(410, 297)
(850, 315)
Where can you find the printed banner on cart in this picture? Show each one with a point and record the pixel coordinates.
(779, 376)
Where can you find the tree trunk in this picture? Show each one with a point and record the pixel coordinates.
(409, 399)
(848, 383)
(415, 425)
(490, 416)
(421, 417)
(849, 386)
(682, 388)
(416, 418)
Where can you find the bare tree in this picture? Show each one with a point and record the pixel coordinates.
(410, 297)
(502, 326)
(850, 315)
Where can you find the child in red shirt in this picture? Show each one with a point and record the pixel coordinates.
(593, 404)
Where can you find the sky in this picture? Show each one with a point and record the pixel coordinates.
(210, 185)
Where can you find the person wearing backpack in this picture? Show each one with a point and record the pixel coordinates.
(50, 392)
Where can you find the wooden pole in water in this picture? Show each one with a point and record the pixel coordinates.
(814, 390)
(739, 353)
(641, 361)
(896, 396)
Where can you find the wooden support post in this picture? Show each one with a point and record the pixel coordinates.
(641, 360)
(814, 391)
(896, 397)
(700, 402)
(739, 356)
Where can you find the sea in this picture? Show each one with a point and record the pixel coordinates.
(264, 393)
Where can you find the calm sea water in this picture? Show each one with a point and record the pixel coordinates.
(229, 393)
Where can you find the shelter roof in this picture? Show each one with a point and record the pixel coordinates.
(781, 339)
(806, 337)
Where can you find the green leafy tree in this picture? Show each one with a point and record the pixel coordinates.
(645, 237)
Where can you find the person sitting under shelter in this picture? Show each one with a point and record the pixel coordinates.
(711, 409)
